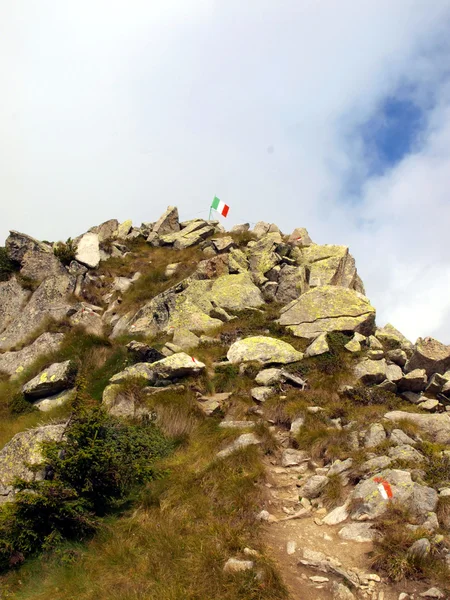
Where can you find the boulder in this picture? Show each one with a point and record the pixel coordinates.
(214, 403)
(185, 339)
(414, 381)
(393, 338)
(374, 436)
(123, 229)
(121, 402)
(235, 292)
(241, 228)
(213, 267)
(292, 282)
(23, 451)
(399, 438)
(237, 261)
(337, 515)
(375, 464)
(340, 466)
(328, 265)
(260, 394)
(319, 346)
(436, 426)
(261, 228)
(405, 452)
(313, 487)
(88, 250)
(436, 383)
(47, 404)
(394, 373)
(428, 404)
(263, 349)
(177, 365)
(326, 309)
(168, 222)
(19, 244)
(266, 377)
(373, 497)
(106, 230)
(300, 237)
(429, 355)
(50, 381)
(139, 371)
(14, 363)
(143, 352)
(83, 315)
(292, 458)
(370, 372)
(12, 299)
(190, 235)
(398, 356)
(223, 244)
(358, 532)
(243, 441)
(49, 300)
(235, 565)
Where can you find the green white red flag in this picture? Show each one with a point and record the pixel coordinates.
(220, 206)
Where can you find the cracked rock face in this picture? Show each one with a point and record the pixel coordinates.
(326, 309)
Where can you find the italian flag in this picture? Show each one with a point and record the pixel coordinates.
(220, 206)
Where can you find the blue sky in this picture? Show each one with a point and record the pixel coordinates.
(118, 110)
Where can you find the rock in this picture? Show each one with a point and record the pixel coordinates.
(319, 579)
(432, 593)
(437, 426)
(340, 466)
(191, 235)
(341, 592)
(14, 363)
(337, 515)
(393, 338)
(374, 497)
(431, 524)
(83, 316)
(12, 299)
(234, 565)
(50, 381)
(261, 228)
(319, 346)
(353, 345)
(375, 464)
(121, 402)
(241, 228)
(123, 229)
(405, 452)
(374, 343)
(185, 339)
(387, 385)
(143, 352)
(138, 371)
(214, 403)
(121, 284)
(375, 354)
(171, 269)
(260, 394)
(106, 230)
(399, 437)
(263, 349)
(266, 376)
(235, 292)
(237, 261)
(358, 532)
(430, 355)
(23, 451)
(213, 267)
(420, 548)
(428, 404)
(412, 397)
(47, 404)
(327, 309)
(414, 381)
(296, 425)
(370, 372)
(228, 424)
(48, 300)
(244, 440)
(168, 222)
(300, 237)
(313, 486)
(177, 365)
(435, 384)
(292, 458)
(223, 244)
(291, 547)
(292, 282)
(398, 357)
(394, 373)
(374, 436)
(88, 250)
(19, 244)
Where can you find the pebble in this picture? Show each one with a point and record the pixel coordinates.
(319, 579)
(291, 547)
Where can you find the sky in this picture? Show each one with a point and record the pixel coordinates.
(334, 116)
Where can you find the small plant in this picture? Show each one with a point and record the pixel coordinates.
(368, 396)
(7, 266)
(333, 494)
(65, 251)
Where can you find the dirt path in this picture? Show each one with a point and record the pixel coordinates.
(282, 500)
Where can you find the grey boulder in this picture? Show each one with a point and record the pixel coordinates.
(54, 379)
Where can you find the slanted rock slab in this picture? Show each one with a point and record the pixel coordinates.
(50, 381)
(244, 440)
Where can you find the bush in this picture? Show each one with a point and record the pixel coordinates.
(65, 251)
(369, 396)
(91, 472)
(7, 266)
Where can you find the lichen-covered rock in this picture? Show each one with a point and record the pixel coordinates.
(237, 261)
(185, 339)
(192, 234)
(292, 458)
(83, 315)
(398, 356)
(123, 229)
(143, 352)
(374, 436)
(358, 532)
(268, 377)
(292, 282)
(139, 371)
(88, 250)
(106, 230)
(430, 355)
(177, 365)
(393, 338)
(54, 379)
(168, 222)
(414, 381)
(394, 373)
(260, 394)
(19, 244)
(405, 452)
(261, 228)
(12, 299)
(326, 309)
(47, 404)
(263, 349)
(436, 383)
(313, 487)
(436, 426)
(49, 300)
(23, 450)
(300, 237)
(370, 372)
(318, 346)
(235, 292)
(14, 363)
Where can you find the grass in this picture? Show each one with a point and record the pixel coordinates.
(333, 494)
(174, 544)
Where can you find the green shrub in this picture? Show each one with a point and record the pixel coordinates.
(369, 396)
(91, 472)
(7, 266)
(65, 251)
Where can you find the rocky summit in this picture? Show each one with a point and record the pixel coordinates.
(235, 389)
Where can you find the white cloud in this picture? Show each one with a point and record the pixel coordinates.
(116, 110)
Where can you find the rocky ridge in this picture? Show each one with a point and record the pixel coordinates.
(315, 292)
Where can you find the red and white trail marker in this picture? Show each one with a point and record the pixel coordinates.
(384, 488)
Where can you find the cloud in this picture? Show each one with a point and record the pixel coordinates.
(118, 111)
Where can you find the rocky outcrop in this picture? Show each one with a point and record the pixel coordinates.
(19, 244)
(23, 451)
(263, 349)
(36, 259)
(326, 309)
(54, 379)
(168, 222)
(14, 363)
(12, 299)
